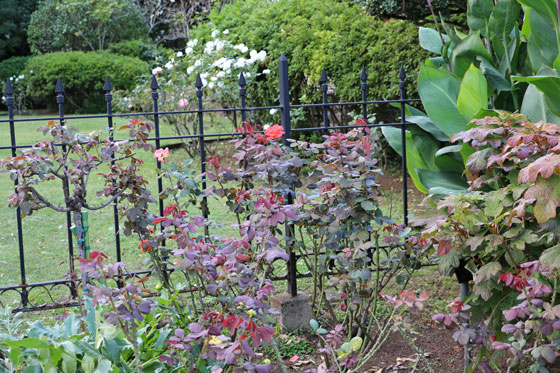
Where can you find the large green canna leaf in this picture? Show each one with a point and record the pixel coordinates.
(473, 94)
(542, 45)
(548, 82)
(451, 181)
(466, 52)
(478, 14)
(504, 18)
(535, 108)
(495, 77)
(430, 39)
(439, 90)
(420, 151)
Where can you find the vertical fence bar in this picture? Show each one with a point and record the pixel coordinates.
(59, 90)
(155, 96)
(324, 88)
(364, 88)
(402, 86)
(9, 91)
(285, 112)
(108, 87)
(242, 93)
(199, 94)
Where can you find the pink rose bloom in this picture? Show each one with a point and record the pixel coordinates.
(183, 102)
(274, 132)
(161, 154)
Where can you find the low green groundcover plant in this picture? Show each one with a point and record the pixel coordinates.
(505, 230)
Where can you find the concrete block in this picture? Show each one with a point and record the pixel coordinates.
(295, 312)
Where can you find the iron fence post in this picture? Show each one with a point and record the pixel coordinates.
(199, 94)
(9, 91)
(364, 87)
(285, 118)
(108, 87)
(59, 90)
(154, 86)
(402, 86)
(324, 88)
(242, 93)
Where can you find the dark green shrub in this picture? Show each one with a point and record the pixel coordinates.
(13, 66)
(83, 75)
(141, 49)
(317, 34)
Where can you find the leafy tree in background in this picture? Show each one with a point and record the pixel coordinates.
(169, 21)
(14, 19)
(84, 25)
(415, 10)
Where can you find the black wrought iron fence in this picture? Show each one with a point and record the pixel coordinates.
(24, 290)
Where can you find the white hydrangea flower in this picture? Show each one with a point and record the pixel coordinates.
(254, 55)
(227, 64)
(190, 69)
(211, 85)
(266, 126)
(197, 63)
(248, 75)
(266, 71)
(261, 55)
(21, 76)
(179, 54)
(215, 33)
(204, 81)
(272, 112)
(241, 47)
(204, 75)
(220, 74)
(213, 78)
(219, 45)
(240, 62)
(209, 47)
(188, 51)
(168, 65)
(219, 62)
(192, 43)
(225, 32)
(155, 71)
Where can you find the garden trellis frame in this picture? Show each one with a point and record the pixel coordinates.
(24, 290)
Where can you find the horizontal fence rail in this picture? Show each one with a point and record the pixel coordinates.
(24, 291)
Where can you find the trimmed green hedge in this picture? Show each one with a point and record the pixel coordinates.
(317, 34)
(83, 76)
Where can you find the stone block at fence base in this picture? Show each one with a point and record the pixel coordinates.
(295, 312)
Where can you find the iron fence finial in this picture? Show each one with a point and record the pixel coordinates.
(59, 88)
(9, 90)
(108, 86)
(154, 85)
(198, 84)
(242, 80)
(364, 76)
(324, 78)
